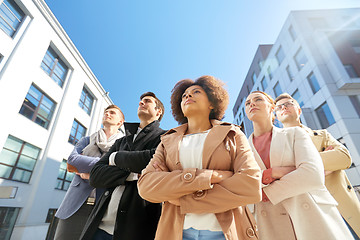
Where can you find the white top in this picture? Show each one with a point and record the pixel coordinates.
(190, 155)
(108, 221)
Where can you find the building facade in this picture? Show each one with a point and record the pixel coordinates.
(316, 59)
(49, 99)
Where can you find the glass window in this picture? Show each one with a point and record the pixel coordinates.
(50, 218)
(355, 100)
(355, 44)
(290, 73)
(292, 33)
(280, 55)
(254, 78)
(314, 84)
(77, 132)
(261, 64)
(264, 83)
(18, 159)
(38, 107)
(300, 59)
(86, 100)
(64, 177)
(54, 66)
(10, 17)
(325, 116)
(269, 72)
(297, 97)
(277, 89)
(8, 216)
(351, 71)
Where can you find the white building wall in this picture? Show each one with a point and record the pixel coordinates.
(323, 61)
(19, 68)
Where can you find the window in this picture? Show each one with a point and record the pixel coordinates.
(355, 100)
(261, 64)
(64, 177)
(277, 89)
(314, 84)
(280, 55)
(318, 23)
(355, 44)
(351, 71)
(297, 97)
(18, 159)
(254, 78)
(8, 216)
(10, 17)
(86, 100)
(50, 218)
(264, 83)
(292, 33)
(290, 73)
(325, 116)
(269, 72)
(300, 59)
(54, 67)
(38, 107)
(77, 132)
(248, 89)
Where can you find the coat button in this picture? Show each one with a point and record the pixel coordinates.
(306, 206)
(199, 193)
(106, 193)
(188, 176)
(250, 232)
(349, 187)
(263, 213)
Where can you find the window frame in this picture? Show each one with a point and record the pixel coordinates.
(82, 104)
(20, 21)
(323, 124)
(75, 140)
(19, 154)
(64, 180)
(35, 111)
(56, 60)
(313, 82)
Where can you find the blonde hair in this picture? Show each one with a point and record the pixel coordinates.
(269, 99)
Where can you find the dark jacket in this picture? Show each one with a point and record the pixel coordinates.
(136, 218)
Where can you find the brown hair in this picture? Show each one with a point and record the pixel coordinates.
(159, 104)
(116, 107)
(218, 97)
(286, 96)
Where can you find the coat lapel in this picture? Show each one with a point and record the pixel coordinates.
(277, 147)
(214, 138)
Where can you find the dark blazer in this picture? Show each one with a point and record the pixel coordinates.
(136, 218)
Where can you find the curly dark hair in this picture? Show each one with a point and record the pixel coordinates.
(218, 97)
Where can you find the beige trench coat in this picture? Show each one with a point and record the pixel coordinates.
(300, 206)
(337, 182)
(225, 148)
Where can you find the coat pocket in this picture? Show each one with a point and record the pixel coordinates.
(322, 196)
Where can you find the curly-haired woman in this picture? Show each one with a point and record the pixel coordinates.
(204, 170)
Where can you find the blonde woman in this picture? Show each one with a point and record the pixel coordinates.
(296, 203)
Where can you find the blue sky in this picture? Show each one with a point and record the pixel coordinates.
(136, 46)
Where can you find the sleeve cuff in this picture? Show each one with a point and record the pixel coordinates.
(267, 176)
(112, 159)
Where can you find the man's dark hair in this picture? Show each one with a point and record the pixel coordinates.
(159, 104)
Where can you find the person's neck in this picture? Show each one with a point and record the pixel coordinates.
(291, 124)
(111, 130)
(197, 125)
(262, 127)
(145, 122)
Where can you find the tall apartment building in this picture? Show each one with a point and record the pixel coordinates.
(49, 99)
(316, 59)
